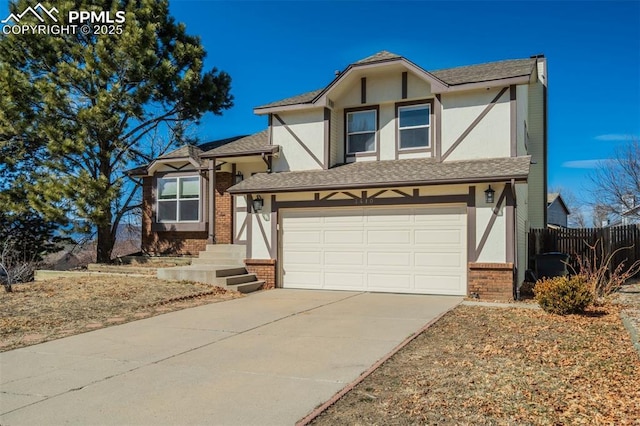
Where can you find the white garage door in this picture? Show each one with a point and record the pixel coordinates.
(401, 250)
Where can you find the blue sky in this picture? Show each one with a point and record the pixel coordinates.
(278, 49)
(274, 50)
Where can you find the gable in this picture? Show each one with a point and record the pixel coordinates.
(500, 73)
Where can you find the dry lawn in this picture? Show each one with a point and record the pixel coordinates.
(480, 365)
(42, 311)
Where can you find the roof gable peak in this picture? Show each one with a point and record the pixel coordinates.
(383, 55)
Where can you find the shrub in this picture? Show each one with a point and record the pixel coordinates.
(604, 271)
(564, 295)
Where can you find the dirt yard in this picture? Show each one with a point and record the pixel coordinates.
(481, 365)
(42, 311)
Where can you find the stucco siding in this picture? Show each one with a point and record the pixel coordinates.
(382, 90)
(301, 139)
(417, 88)
(490, 227)
(387, 133)
(260, 229)
(240, 220)
(489, 138)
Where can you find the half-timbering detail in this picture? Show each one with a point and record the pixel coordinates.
(391, 178)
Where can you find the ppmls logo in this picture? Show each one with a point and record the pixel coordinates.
(33, 11)
(78, 22)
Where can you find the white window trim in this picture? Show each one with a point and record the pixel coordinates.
(178, 199)
(422, 126)
(375, 132)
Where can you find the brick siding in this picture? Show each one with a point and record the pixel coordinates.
(265, 269)
(187, 243)
(224, 212)
(491, 281)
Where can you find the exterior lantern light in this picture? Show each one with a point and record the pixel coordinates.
(239, 177)
(489, 195)
(258, 203)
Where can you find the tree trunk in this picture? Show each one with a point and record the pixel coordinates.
(105, 244)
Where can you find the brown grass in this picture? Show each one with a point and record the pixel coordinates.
(48, 310)
(482, 365)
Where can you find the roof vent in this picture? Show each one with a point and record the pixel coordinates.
(337, 72)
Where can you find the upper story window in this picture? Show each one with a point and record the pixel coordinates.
(361, 131)
(414, 126)
(179, 199)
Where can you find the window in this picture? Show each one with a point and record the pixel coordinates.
(178, 199)
(414, 126)
(361, 131)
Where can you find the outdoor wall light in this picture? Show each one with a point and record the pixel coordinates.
(239, 177)
(258, 203)
(489, 194)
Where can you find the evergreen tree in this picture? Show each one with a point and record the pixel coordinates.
(76, 109)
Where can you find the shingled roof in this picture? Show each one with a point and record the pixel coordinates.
(486, 72)
(185, 151)
(304, 98)
(379, 57)
(373, 174)
(489, 71)
(256, 143)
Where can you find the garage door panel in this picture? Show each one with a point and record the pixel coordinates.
(399, 249)
(380, 259)
(303, 237)
(383, 236)
(299, 257)
(348, 218)
(385, 217)
(441, 260)
(439, 237)
(440, 284)
(304, 220)
(345, 237)
(303, 279)
(336, 258)
(438, 214)
(343, 280)
(389, 282)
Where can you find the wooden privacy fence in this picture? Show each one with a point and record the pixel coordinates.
(576, 242)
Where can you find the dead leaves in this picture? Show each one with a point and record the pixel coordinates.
(66, 306)
(505, 366)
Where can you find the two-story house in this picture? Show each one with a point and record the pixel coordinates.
(391, 178)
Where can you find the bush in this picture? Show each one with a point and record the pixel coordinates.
(600, 269)
(564, 295)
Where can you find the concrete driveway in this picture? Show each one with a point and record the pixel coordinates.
(269, 358)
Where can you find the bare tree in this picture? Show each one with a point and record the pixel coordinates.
(15, 265)
(616, 185)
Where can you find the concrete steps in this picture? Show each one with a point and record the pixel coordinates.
(221, 265)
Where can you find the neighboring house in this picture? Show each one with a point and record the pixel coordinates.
(627, 217)
(631, 216)
(391, 178)
(557, 211)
